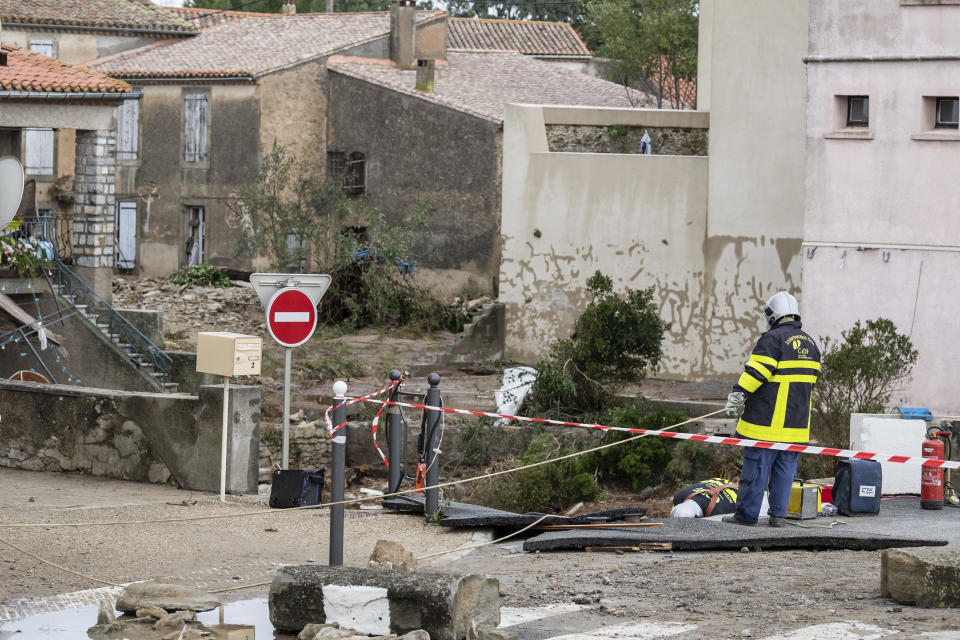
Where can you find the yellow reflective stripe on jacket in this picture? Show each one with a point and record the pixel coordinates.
(763, 360)
(775, 434)
(762, 369)
(780, 409)
(793, 378)
(748, 382)
(799, 364)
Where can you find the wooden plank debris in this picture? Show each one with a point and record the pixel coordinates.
(599, 525)
(21, 316)
(640, 546)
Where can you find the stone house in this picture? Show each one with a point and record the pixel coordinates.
(213, 104)
(38, 92)
(75, 31)
(346, 84)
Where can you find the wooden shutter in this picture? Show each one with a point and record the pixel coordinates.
(128, 129)
(38, 151)
(195, 128)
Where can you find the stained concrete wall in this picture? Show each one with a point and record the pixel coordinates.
(880, 224)
(132, 436)
(411, 165)
(639, 219)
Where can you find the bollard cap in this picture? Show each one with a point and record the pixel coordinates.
(395, 375)
(339, 388)
(433, 379)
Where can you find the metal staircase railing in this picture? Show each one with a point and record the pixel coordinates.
(121, 333)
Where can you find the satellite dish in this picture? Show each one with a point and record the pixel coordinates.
(11, 189)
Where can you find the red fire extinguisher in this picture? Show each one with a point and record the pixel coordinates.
(931, 478)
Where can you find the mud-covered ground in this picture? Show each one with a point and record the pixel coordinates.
(718, 594)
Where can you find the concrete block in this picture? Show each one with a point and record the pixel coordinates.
(444, 605)
(928, 577)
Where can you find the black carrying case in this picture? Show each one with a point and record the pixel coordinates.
(857, 487)
(295, 488)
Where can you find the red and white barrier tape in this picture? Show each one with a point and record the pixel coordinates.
(737, 442)
(347, 402)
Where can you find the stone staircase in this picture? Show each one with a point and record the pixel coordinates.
(149, 358)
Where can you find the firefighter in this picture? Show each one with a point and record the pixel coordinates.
(706, 498)
(773, 395)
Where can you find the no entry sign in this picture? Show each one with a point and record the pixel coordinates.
(291, 317)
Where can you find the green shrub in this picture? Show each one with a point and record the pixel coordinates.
(549, 487)
(616, 339)
(860, 374)
(201, 275)
(641, 462)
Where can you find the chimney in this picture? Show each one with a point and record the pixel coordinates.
(289, 8)
(425, 70)
(403, 33)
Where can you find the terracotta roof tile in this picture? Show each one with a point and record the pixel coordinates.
(120, 14)
(209, 18)
(29, 71)
(252, 47)
(482, 83)
(526, 36)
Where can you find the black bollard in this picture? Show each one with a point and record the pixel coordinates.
(432, 457)
(394, 438)
(337, 480)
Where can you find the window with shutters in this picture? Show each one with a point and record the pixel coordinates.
(128, 130)
(38, 152)
(196, 122)
(42, 46)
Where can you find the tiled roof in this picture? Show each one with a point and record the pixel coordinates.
(526, 36)
(207, 18)
(119, 14)
(29, 71)
(482, 83)
(252, 47)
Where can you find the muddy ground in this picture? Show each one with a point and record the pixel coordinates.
(726, 594)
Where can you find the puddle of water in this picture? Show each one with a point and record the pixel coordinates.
(70, 624)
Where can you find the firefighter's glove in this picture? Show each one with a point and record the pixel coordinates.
(735, 402)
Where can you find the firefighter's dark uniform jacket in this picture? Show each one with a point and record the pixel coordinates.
(715, 496)
(778, 382)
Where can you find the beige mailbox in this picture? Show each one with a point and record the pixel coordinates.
(229, 354)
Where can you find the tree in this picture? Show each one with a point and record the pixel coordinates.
(285, 210)
(860, 374)
(653, 40)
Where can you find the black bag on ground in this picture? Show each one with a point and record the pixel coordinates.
(857, 487)
(295, 488)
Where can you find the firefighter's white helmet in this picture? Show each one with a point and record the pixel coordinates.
(779, 305)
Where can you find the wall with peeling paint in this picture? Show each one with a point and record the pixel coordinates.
(881, 227)
(643, 220)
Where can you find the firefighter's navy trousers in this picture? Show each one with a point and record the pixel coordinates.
(759, 466)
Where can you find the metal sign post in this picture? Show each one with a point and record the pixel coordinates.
(290, 301)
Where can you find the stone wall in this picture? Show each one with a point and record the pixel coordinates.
(665, 141)
(146, 437)
(310, 446)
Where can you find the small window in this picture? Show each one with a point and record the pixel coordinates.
(948, 113)
(196, 117)
(42, 46)
(128, 129)
(38, 151)
(858, 111)
(355, 178)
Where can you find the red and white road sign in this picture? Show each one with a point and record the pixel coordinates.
(291, 317)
